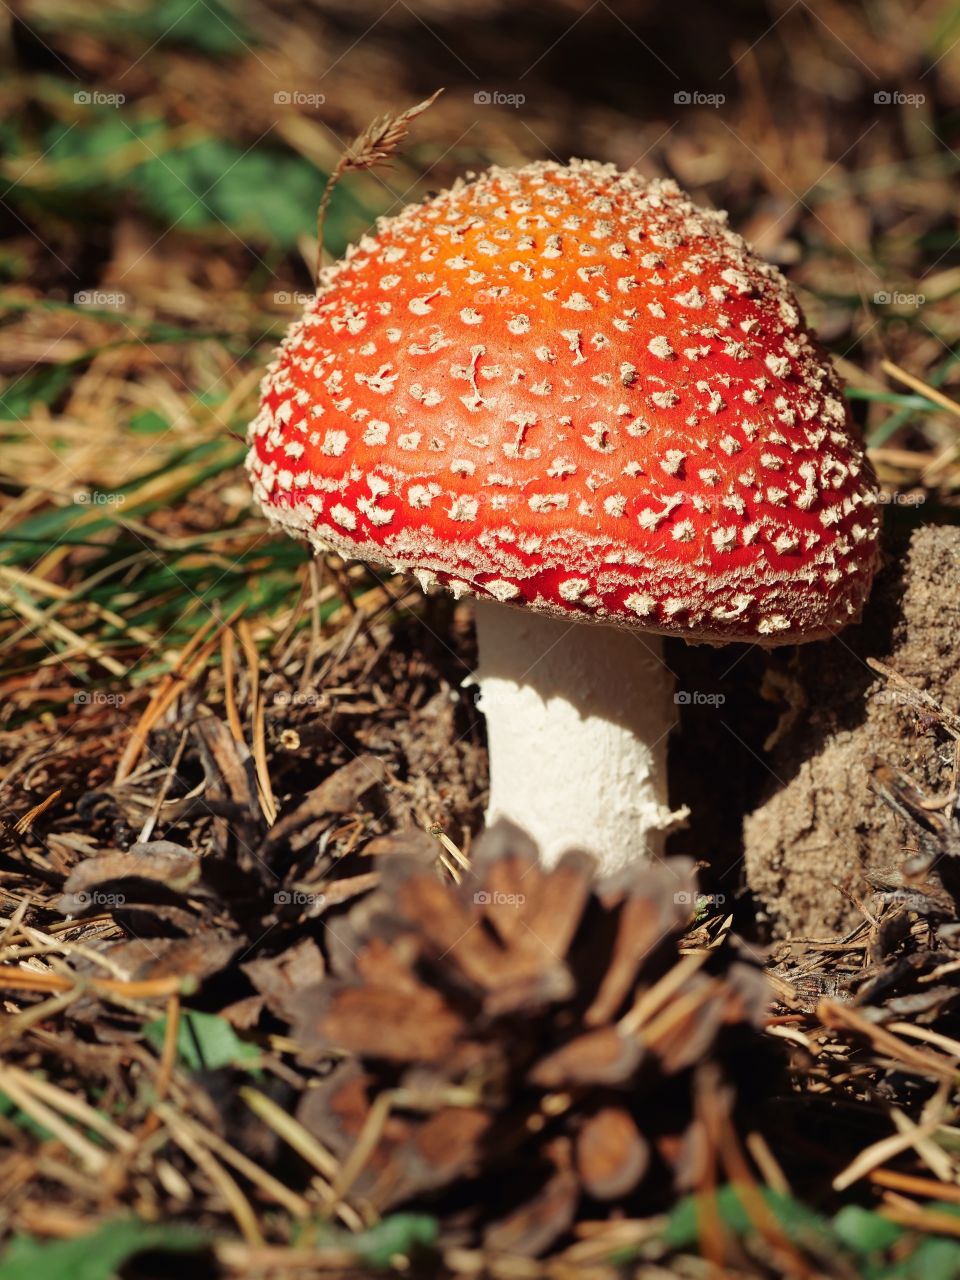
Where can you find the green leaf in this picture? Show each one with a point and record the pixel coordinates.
(935, 1258)
(96, 140)
(41, 386)
(683, 1226)
(402, 1233)
(93, 1257)
(211, 26)
(148, 423)
(908, 401)
(265, 194)
(863, 1231)
(205, 1041)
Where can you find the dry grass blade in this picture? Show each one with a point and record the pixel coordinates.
(229, 691)
(741, 1175)
(947, 1043)
(269, 1185)
(650, 1002)
(922, 388)
(767, 1163)
(188, 666)
(375, 145)
(265, 794)
(306, 1146)
(69, 1105)
(77, 644)
(292, 1133)
(274, 1260)
(18, 1087)
(927, 1148)
(183, 1134)
(147, 829)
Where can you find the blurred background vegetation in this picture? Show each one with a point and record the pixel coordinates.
(160, 172)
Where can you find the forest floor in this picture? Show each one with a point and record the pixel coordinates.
(241, 790)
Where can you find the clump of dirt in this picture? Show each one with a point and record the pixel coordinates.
(822, 836)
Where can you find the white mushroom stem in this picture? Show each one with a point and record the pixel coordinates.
(577, 722)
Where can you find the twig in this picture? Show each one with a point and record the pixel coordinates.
(18, 979)
(938, 1223)
(15, 1024)
(919, 1061)
(168, 1058)
(919, 697)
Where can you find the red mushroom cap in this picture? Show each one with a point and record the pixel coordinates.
(569, 388)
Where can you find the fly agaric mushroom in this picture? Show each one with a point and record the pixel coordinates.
(575, 395)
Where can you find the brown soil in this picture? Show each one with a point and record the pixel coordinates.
(822, 833)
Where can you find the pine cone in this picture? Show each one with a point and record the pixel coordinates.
(520, 1042)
